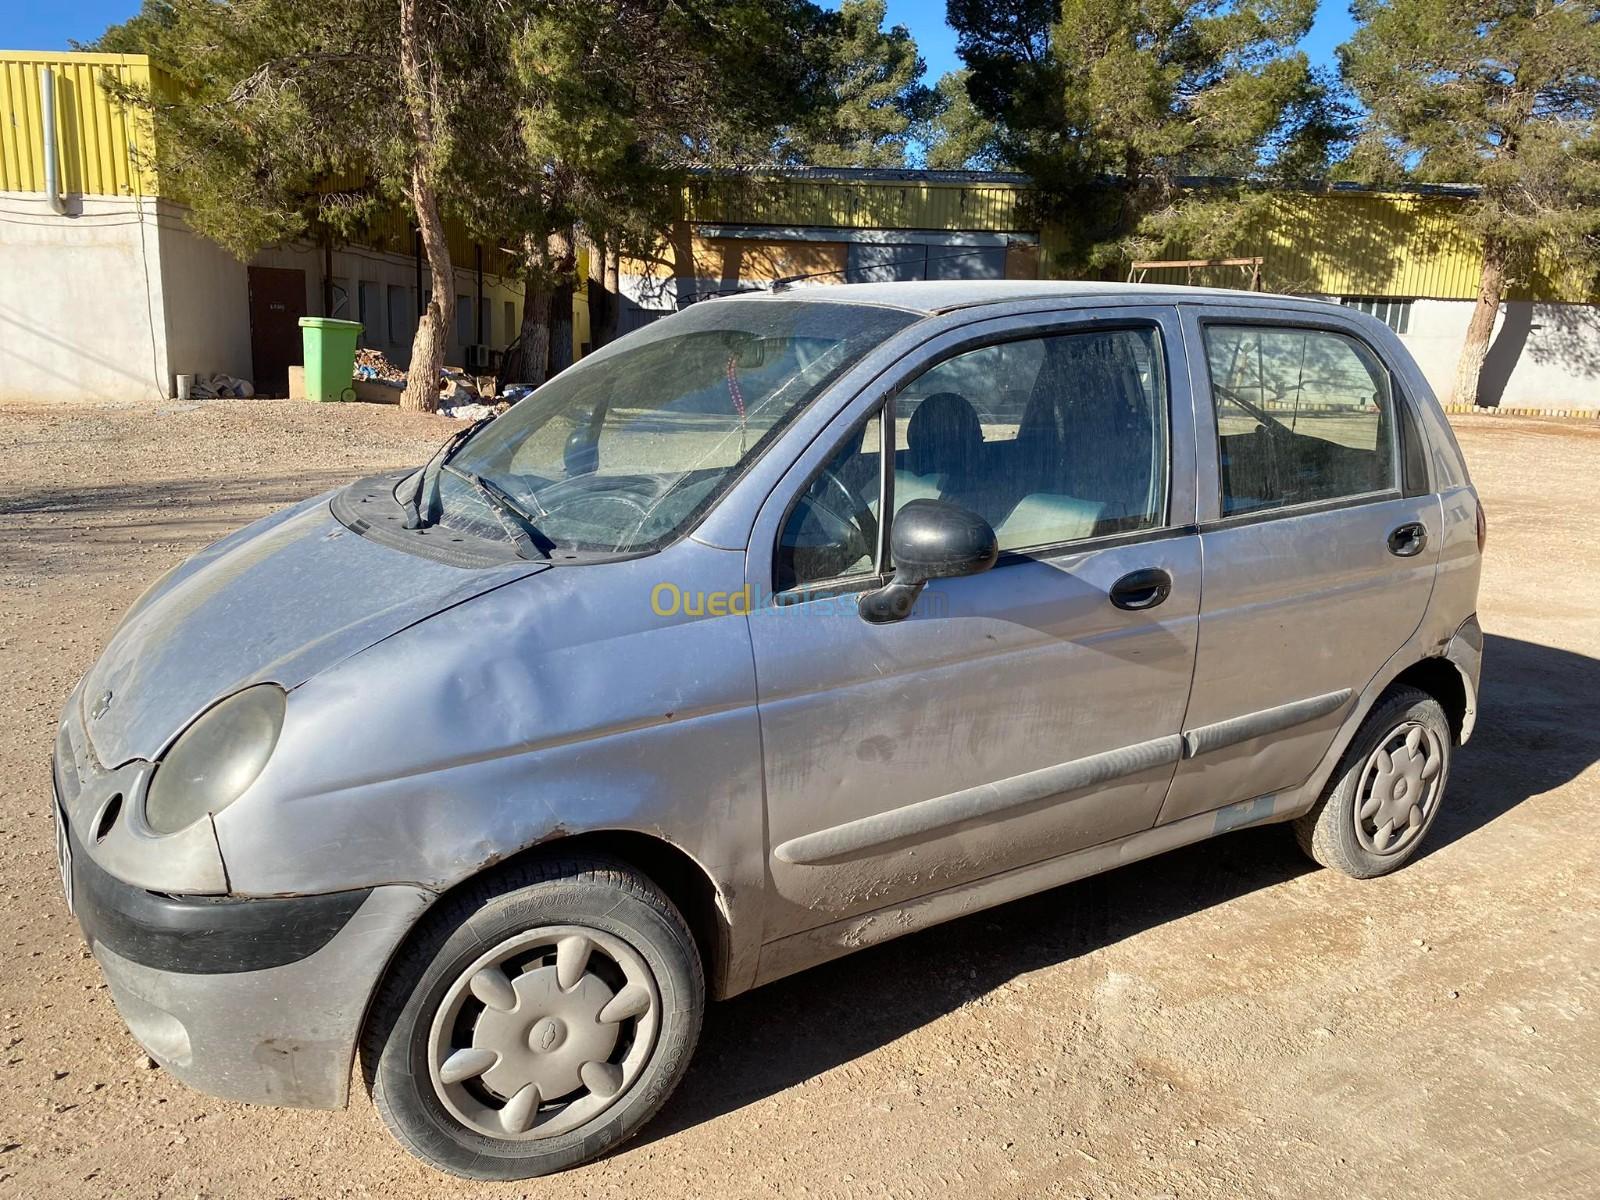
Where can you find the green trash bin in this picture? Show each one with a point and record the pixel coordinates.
(330, 349)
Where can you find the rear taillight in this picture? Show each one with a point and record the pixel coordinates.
(1483, 528)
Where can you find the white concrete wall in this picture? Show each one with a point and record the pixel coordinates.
(81, 311)
(110, 300)
(206, 295)
(1541, 356)
(118, 296)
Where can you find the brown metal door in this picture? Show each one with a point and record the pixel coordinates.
(277, 302)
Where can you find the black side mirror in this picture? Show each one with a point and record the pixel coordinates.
(930, 539)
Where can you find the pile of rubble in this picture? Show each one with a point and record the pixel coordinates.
(461, 396)
(371, 364)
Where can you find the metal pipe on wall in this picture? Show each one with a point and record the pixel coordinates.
(47, 121)
(477, 262)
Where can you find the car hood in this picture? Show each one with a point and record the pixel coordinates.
(278, 601)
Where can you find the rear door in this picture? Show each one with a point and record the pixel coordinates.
(1017, 714)
(1319, 547)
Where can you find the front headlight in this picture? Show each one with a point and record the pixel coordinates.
(215, 759)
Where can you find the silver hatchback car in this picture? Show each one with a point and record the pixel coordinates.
(781, 627)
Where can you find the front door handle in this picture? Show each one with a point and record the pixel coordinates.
(1408, 540)
(1138, 590)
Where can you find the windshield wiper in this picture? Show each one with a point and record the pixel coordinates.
(416, 516)
(520, 525)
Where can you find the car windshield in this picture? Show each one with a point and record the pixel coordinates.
(622, 452)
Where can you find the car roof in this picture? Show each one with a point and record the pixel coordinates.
(943, 295)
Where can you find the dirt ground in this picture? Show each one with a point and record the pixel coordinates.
(1223, 1021)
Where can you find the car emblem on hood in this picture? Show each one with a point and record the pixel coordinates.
(100, 706)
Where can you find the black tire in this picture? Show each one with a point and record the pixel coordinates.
(1328, 833)
(600, 895)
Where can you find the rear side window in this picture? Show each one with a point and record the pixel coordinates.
(1303, 415)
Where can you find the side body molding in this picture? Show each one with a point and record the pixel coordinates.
(871, 834)
(1258, 724)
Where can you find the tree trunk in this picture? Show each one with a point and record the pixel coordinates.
(683, 277)
(564, 265)
(601, 301)
(427, 347)
(433, 327)
(529, 362)
(1491, 290)
(613, 290)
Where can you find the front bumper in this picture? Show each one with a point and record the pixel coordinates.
(279, 1035)
(258, 1000)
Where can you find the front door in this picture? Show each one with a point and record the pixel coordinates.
(1017, 714)
(1319, 553)
(277, 302)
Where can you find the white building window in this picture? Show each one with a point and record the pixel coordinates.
(1396, 314)
(370, 312)
(402, 315)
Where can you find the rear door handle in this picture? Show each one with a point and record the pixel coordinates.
(1408, 540)
(1138, 590)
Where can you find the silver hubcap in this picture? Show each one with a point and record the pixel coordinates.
(1399, 789)
(544, 1032)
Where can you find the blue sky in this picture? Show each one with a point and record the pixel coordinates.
(937, 41)
(32, 25)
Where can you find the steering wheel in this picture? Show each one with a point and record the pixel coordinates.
(1280, 439)
(849, 525)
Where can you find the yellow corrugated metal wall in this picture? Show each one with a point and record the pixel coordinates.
(1337, 243)
(97, 139)
(1360, 243)
(1370, 244)
(859, 204)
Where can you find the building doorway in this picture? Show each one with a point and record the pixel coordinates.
(277, 302)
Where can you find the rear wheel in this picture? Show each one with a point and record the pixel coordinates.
(1386, 791)
(536, 1020)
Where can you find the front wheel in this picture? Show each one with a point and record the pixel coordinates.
(535, 1021)
(1386, 791)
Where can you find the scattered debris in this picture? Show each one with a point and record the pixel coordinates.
(221, 387)
(471, 412)
(456, 389)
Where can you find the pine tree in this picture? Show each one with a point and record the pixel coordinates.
(956, 136)
(1109, 104)
(876, 94)
(289, 119)
(1500, 95)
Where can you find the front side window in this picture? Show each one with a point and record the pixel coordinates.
(831, 533)
(1049, 439)
(1303, 415)
(623, 451)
